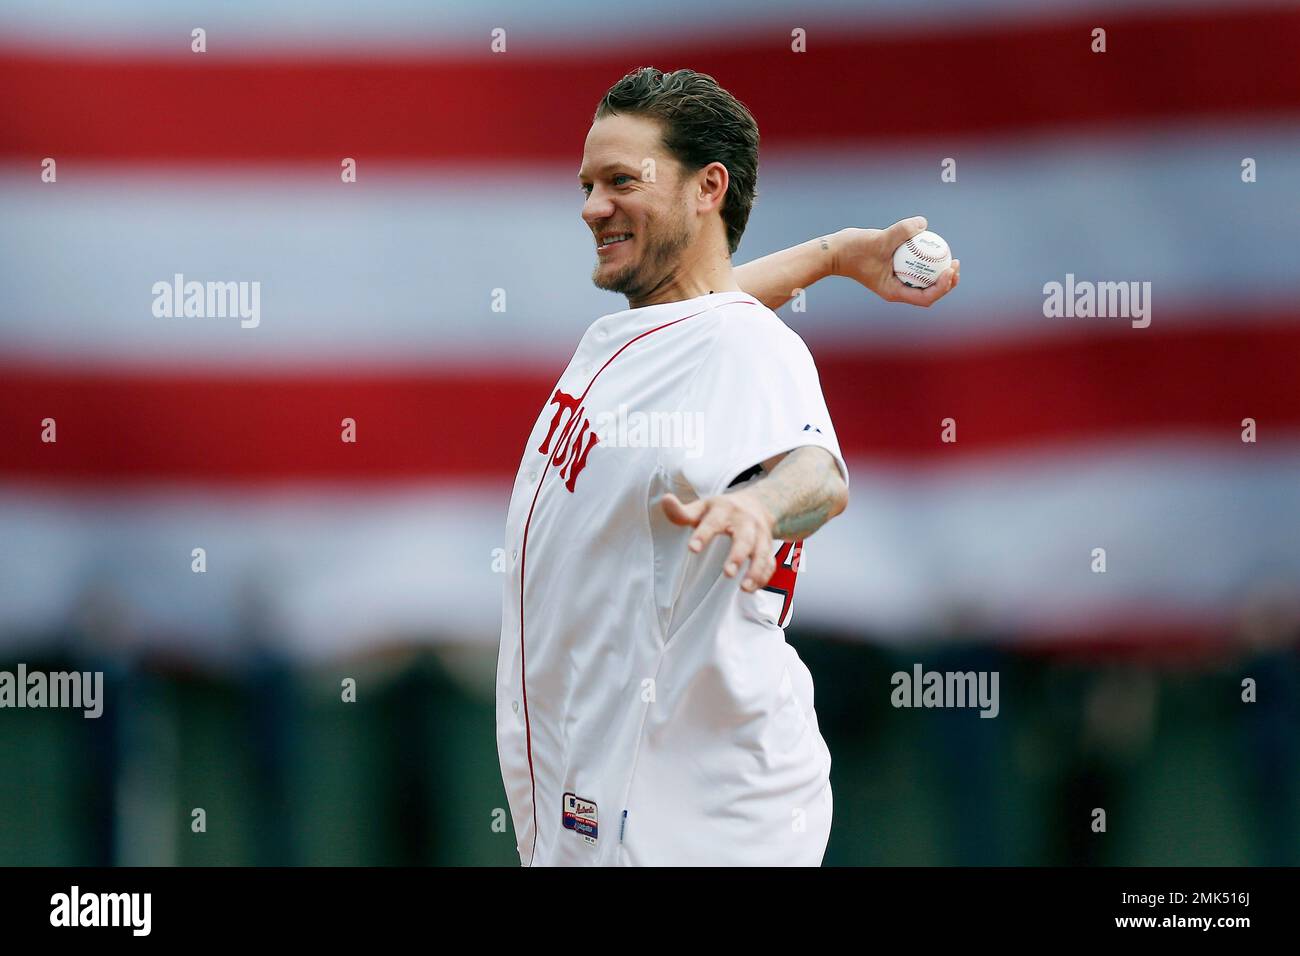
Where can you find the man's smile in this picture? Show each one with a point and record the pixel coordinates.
(606, 242)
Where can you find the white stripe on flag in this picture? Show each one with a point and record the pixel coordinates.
(403, 266)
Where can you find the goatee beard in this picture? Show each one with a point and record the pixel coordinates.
(637, 280)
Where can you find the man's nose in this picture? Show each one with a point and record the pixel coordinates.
(597, 208)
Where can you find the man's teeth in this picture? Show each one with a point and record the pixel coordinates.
(619, 238)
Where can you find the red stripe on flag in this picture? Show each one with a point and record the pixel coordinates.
(461, 423)
(850, 87)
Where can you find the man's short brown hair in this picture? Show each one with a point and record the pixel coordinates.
(702, 123)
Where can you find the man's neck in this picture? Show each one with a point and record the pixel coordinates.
(712, 275)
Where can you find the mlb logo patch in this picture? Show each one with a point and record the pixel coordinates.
(579, 815)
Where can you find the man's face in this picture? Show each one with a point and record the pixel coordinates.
(622, 200)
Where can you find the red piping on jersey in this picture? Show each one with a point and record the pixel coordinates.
(523, 563)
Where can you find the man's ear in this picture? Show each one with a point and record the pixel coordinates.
(713, 182)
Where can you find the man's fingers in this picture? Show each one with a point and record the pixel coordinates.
(679, 513)
(925, 298)
(952, 275)
(901, 231)
(918, 297)
(761, 565)
(742, 547)
(710, 525)
(749, 543)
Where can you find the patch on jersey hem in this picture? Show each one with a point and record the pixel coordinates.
(579, 815)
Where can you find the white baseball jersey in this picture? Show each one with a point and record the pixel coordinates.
(649, 711)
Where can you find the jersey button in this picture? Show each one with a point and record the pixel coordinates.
(515, 554)
(514, 705)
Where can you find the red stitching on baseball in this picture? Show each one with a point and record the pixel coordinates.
(917, 252)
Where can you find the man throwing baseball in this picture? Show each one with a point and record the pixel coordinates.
(649, 710)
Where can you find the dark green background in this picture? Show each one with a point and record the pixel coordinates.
(288, 774)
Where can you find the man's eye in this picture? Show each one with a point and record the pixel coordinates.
(621, 176)
(585, 189)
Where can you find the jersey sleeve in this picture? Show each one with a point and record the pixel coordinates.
(756, 394)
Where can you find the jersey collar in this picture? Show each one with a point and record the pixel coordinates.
(625, 325)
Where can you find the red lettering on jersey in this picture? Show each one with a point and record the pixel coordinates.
(569, 451)
(565, 402)
(788, 565)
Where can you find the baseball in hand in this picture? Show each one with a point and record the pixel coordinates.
(921, 260)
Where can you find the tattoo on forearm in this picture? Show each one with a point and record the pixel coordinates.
(800, 526)
(801, 492)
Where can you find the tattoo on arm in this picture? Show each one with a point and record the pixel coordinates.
(774, 278)
(803, 492)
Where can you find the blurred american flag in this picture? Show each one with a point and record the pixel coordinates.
(376, 300)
